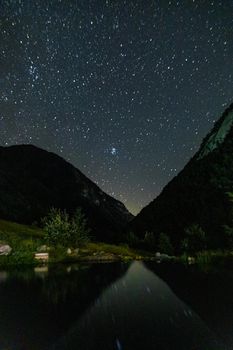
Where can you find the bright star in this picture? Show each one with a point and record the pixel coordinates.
(113, 151)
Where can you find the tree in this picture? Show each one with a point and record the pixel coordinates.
(228, 231)
(56, 227)
(79, 231)
(150, 241)
(164, 244)
(61, 230)
(195, 239)
(132, 239)
(230, 196)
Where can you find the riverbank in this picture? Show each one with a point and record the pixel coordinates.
(92, 252)
(27, 241)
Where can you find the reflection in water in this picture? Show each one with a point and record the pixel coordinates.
(208, 291)
(38, 307)
(139, 312)
(41, 271)
(3, 276)
(99, 306)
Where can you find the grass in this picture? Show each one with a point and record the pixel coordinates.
(23, 240)
(121, 250)
(20, 237)
(13, 230)
(98, 251)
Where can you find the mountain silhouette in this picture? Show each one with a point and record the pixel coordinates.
(198, 194)
(33, 180)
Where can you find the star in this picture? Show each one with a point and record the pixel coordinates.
(123, 90)
(113, 151)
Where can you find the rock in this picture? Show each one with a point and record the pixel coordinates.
(42, 257)
(5, 249)
(162, 257)
(165, 257)
(191, 260)
(69, 251)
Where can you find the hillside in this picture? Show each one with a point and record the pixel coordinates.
(198, 194)
(33, 180)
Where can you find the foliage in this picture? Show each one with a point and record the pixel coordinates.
(195, 239)
(228, 236)
(230, 196)
(132, 239)
(164, 244)
(78, 230)
(57, 253)
(16, 258)
(61, 230)
(56, 227)
(150, 241)
(209, 259)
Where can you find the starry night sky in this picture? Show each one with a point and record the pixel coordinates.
(125, 90)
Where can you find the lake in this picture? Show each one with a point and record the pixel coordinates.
(116, 306)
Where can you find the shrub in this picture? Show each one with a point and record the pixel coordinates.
(61, 230)
(18, 258)
(228, 237)
(78, 230)
(164, 244)
(150, 241)
(195, 239)
(56, 226)
(132, 239)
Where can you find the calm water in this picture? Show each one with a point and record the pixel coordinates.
(116, 306)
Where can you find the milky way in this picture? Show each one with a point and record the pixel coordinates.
(125, 90)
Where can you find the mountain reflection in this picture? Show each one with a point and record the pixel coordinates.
(208, 291)
(139, 311)
(39, 306)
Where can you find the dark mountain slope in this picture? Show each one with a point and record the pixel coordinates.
(198, 194)
(33, 180)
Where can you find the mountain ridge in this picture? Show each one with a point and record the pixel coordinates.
(198, 194)
(32, 180)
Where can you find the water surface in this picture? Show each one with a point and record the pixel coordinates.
(116, 306)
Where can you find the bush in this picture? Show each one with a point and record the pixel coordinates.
(164, 244)
(228, 237)
(132, 239)
(18, 258)
(78, 230)
(195, 239)
(61, 230)
(149, 240)
(56, 227)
